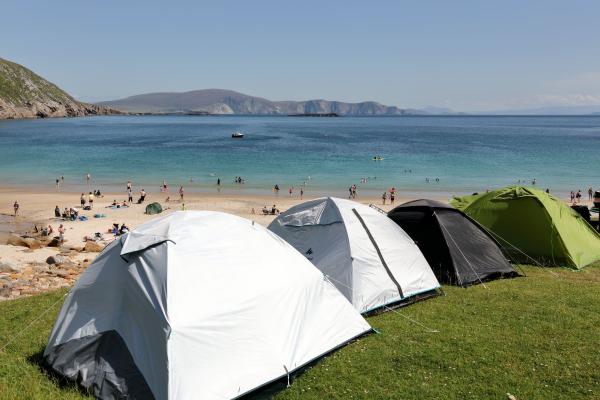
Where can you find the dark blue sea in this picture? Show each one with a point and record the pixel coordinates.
(465, 153)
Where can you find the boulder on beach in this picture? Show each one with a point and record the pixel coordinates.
(31, 243)
(9, 266)
(56, 259)
(92, 247)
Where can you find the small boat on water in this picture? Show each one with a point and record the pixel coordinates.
(237, 135)
(378, 158)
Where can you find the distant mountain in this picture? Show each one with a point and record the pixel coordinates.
(23, 94)
(218, 101)
(554, 110)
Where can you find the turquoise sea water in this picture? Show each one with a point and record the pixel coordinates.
(467, 154)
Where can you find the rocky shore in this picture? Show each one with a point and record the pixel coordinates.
(24, 274)
(52, 109)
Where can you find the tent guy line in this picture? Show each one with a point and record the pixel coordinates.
(33, 321)
(414, 321)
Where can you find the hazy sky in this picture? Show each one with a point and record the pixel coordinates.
(467, 55)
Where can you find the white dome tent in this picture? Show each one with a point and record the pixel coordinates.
(369, 258)
(197, 305)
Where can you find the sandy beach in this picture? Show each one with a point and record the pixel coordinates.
(21, 268)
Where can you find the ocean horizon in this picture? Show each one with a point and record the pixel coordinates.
(436, 155)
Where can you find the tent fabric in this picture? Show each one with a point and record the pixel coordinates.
(531, 223)
(153, 208)
(458, 249)
(371, 260)
(196, 305)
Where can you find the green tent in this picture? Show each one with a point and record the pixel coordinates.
(153, 208)
(530, 221)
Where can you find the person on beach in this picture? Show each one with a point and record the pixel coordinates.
(290, 190)
(578, 196)
(590, 194)
(16, 207)
(350, 192)
(181, 193)
(218, 181)
(61, 233)
(164, 186)
(182, 206)
(392, 197)
(384, 197)
(88, 179)
(301, 193)
(57, 183)
(62, 178)
(91, 200)
(57, 212)
(142, 196)
(82, 200)
(128, 185)
(129, 195)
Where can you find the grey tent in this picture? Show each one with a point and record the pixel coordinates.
(371, 260)
(196, 305)
(458, 249)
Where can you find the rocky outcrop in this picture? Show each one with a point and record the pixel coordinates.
(23, 94)
(31, 243)
(92, 247)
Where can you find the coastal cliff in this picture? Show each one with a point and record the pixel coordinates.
(219, 101)
(24, 94)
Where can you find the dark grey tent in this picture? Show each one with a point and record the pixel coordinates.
(458, 249)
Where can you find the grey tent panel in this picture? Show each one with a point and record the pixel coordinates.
(476, 258)
(102, 364)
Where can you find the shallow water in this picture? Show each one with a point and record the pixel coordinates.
(467, 154)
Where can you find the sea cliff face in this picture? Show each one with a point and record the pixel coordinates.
(219, 101)
(24, 94)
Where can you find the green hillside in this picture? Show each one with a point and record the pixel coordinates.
(24, 94)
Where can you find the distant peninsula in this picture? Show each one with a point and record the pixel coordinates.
(24, 94)
(220, 101)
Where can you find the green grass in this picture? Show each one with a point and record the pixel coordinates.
(536, 337)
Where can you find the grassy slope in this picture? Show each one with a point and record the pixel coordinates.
(19, 85)
(536, 337)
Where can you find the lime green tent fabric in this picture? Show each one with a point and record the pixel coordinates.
(538, 224)
(153, 208)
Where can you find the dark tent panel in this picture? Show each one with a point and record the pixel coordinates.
(457, 248)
